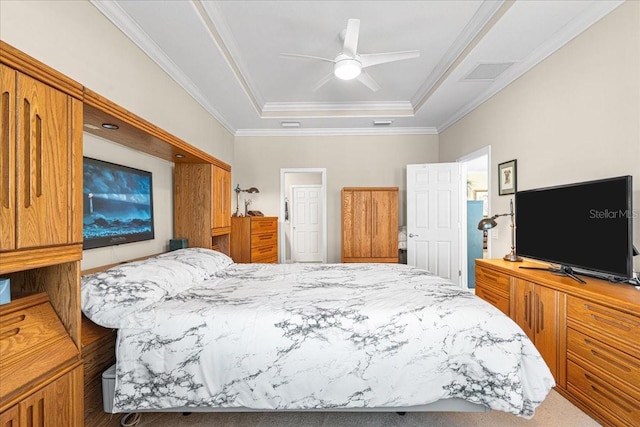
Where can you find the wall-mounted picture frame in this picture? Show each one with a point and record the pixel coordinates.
(507, 178)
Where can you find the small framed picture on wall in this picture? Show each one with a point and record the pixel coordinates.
(507, 178)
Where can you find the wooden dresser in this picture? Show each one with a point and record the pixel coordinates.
(370, 224)
(254, 239)
(587, 333)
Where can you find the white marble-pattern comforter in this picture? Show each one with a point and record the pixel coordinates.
(302, 336)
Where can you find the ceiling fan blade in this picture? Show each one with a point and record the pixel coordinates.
(350, 46)
(370, 59)
(295, 55)
(323, 81)
(368, 81)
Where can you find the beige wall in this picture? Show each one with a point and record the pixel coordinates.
(350, 161)
(74, 38)
(574, 117)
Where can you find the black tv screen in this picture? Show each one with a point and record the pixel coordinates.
(586, 225)
(117, 204)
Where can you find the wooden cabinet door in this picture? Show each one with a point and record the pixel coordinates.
(10, 417)
(57, 404)
(536, 312)
(221, 198)
(44, 160)
(356, 216)
(384, 224)
(546, 326)
(7, 158)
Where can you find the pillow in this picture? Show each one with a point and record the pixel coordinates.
(124, 296)
(207, 260)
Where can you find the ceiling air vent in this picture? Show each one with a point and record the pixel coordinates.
(487, 71)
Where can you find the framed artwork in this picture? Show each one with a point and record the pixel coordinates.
(507, 178)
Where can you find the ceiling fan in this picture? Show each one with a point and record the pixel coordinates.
(349, 64)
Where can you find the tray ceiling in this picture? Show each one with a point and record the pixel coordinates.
(227, 55)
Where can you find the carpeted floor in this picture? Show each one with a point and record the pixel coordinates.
(555, 411)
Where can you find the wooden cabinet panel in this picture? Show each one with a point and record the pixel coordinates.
(56, 404)
(7, 158)
(535, 309)
(221, 199)
(499, 282)
(202, 205)
(613, 400)
(254, 239)
(499, 301)
(40, 149)
(384, 224)
(494, 287)
(370, 224)
(611, 324)
(604, 358)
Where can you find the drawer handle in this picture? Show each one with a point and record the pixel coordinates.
(610, 361)
(12, 320)
(611, 323)
(10, 333)
(265, 249)
(623, 319)
(6, 179)
(610, 395)
(490, 298)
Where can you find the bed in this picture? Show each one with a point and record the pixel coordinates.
(197, 332)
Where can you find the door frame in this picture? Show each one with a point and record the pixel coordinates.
(484, 151)
(282, 224)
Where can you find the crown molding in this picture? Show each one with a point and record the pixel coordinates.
(130, 28)
(324, 109)
(597, 11)
(471, 31)
(221, 34)
(337, 131)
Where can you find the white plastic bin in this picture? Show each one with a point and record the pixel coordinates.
(108, 388)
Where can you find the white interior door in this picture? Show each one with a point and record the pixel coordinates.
(433, 218)
(306, 223)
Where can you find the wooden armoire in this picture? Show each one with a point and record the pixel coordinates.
(370, 224)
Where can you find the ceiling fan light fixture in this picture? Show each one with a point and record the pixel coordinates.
(347, 69)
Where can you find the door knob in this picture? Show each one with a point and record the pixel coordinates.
(413, 235)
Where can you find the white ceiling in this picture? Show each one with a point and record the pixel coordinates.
(226, 54)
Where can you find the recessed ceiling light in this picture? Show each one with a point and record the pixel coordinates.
(180, 156)
(290, 124)
(110, 126)
(382, 122)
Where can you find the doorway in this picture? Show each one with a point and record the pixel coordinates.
(308, 242)
(477, 200)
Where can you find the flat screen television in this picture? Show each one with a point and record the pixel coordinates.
(117, 204)
(585, 226)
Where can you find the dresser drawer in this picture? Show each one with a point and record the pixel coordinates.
(607, 322)
(610, 360)
(498, 281)
(264, 224)
(264, 239)
(262, 253)
(609, 396)
(499, 301)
